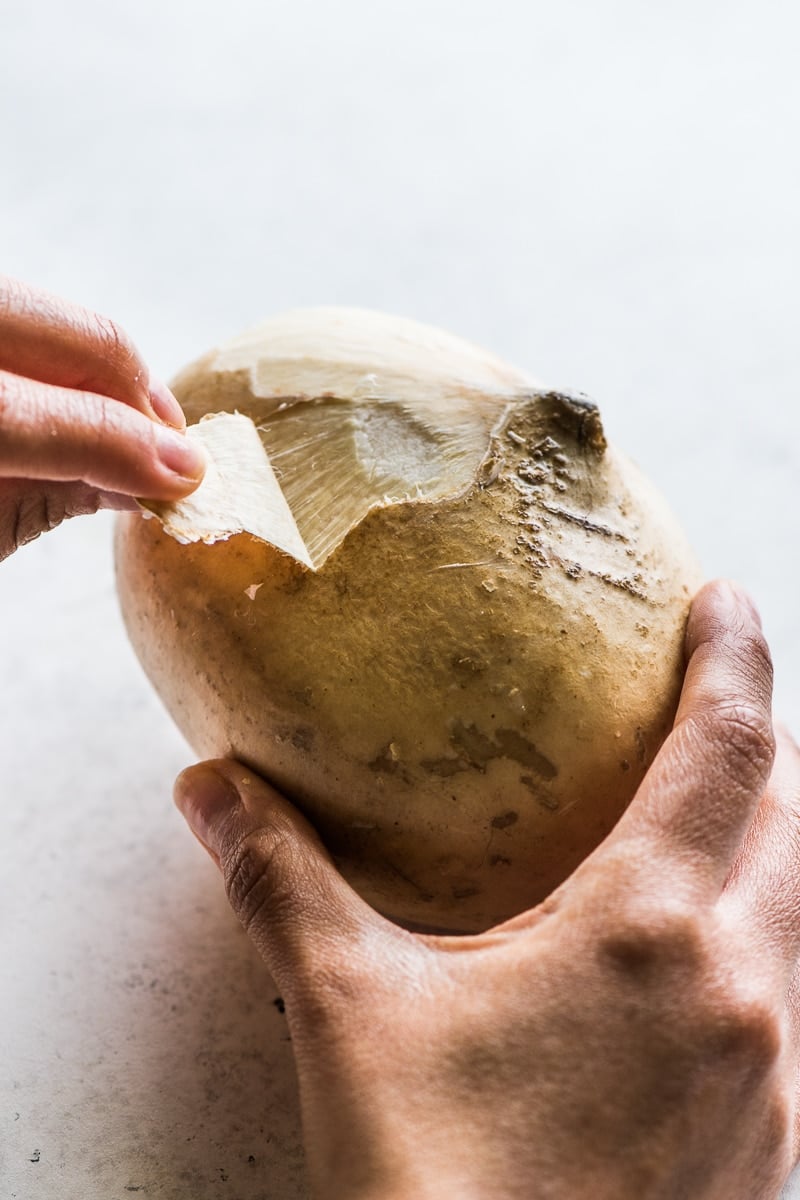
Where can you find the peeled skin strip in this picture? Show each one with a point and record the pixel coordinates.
(239, 493)
(464, 658)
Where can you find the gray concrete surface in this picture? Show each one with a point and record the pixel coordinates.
(605, 193)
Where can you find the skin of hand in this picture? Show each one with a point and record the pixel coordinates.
(634, 1036)
(82, 424)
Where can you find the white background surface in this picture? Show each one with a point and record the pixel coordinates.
(606, 193)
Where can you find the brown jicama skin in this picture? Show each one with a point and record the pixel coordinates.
(462, 685)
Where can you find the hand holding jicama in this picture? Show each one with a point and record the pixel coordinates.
(466, 672)
(634, 1036)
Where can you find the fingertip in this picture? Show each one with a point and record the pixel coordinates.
(729, 661)
(184, 457)
(720, 604)
(205, 796)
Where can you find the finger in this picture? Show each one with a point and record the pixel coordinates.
(30, 509)
(280, 880)
(59, 434)
(51, 340)
(699, 797)
(763, 889)
(26, 510)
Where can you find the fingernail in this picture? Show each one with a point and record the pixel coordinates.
(204, 797)
(165, 406)
(180, 454)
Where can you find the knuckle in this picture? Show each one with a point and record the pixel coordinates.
(117, 348)
(747, 1028)
(256, 879)
(678, 958)
(25, 517)
(651, 937)
(745, 730)
(262, 873)
(750, 734)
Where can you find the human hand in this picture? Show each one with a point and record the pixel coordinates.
(635, 1035)
(82, 425)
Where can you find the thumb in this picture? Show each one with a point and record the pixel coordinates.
(281, 882)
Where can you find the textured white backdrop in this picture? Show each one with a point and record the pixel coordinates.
(604, 192)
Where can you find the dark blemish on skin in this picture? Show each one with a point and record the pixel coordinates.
(464, 893)
(35, 1157)
(543, 798)
(506, 743)
(279, 1004)
(641, 746)
(513, 745)
(303, 739)
(505, 820)
(444, 767)
(499, 860)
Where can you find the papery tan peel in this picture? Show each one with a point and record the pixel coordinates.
(466, 689)
(239, 493)
(388, 411)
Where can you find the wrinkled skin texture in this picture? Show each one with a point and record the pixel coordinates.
(82, 425)
(635, 1035)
